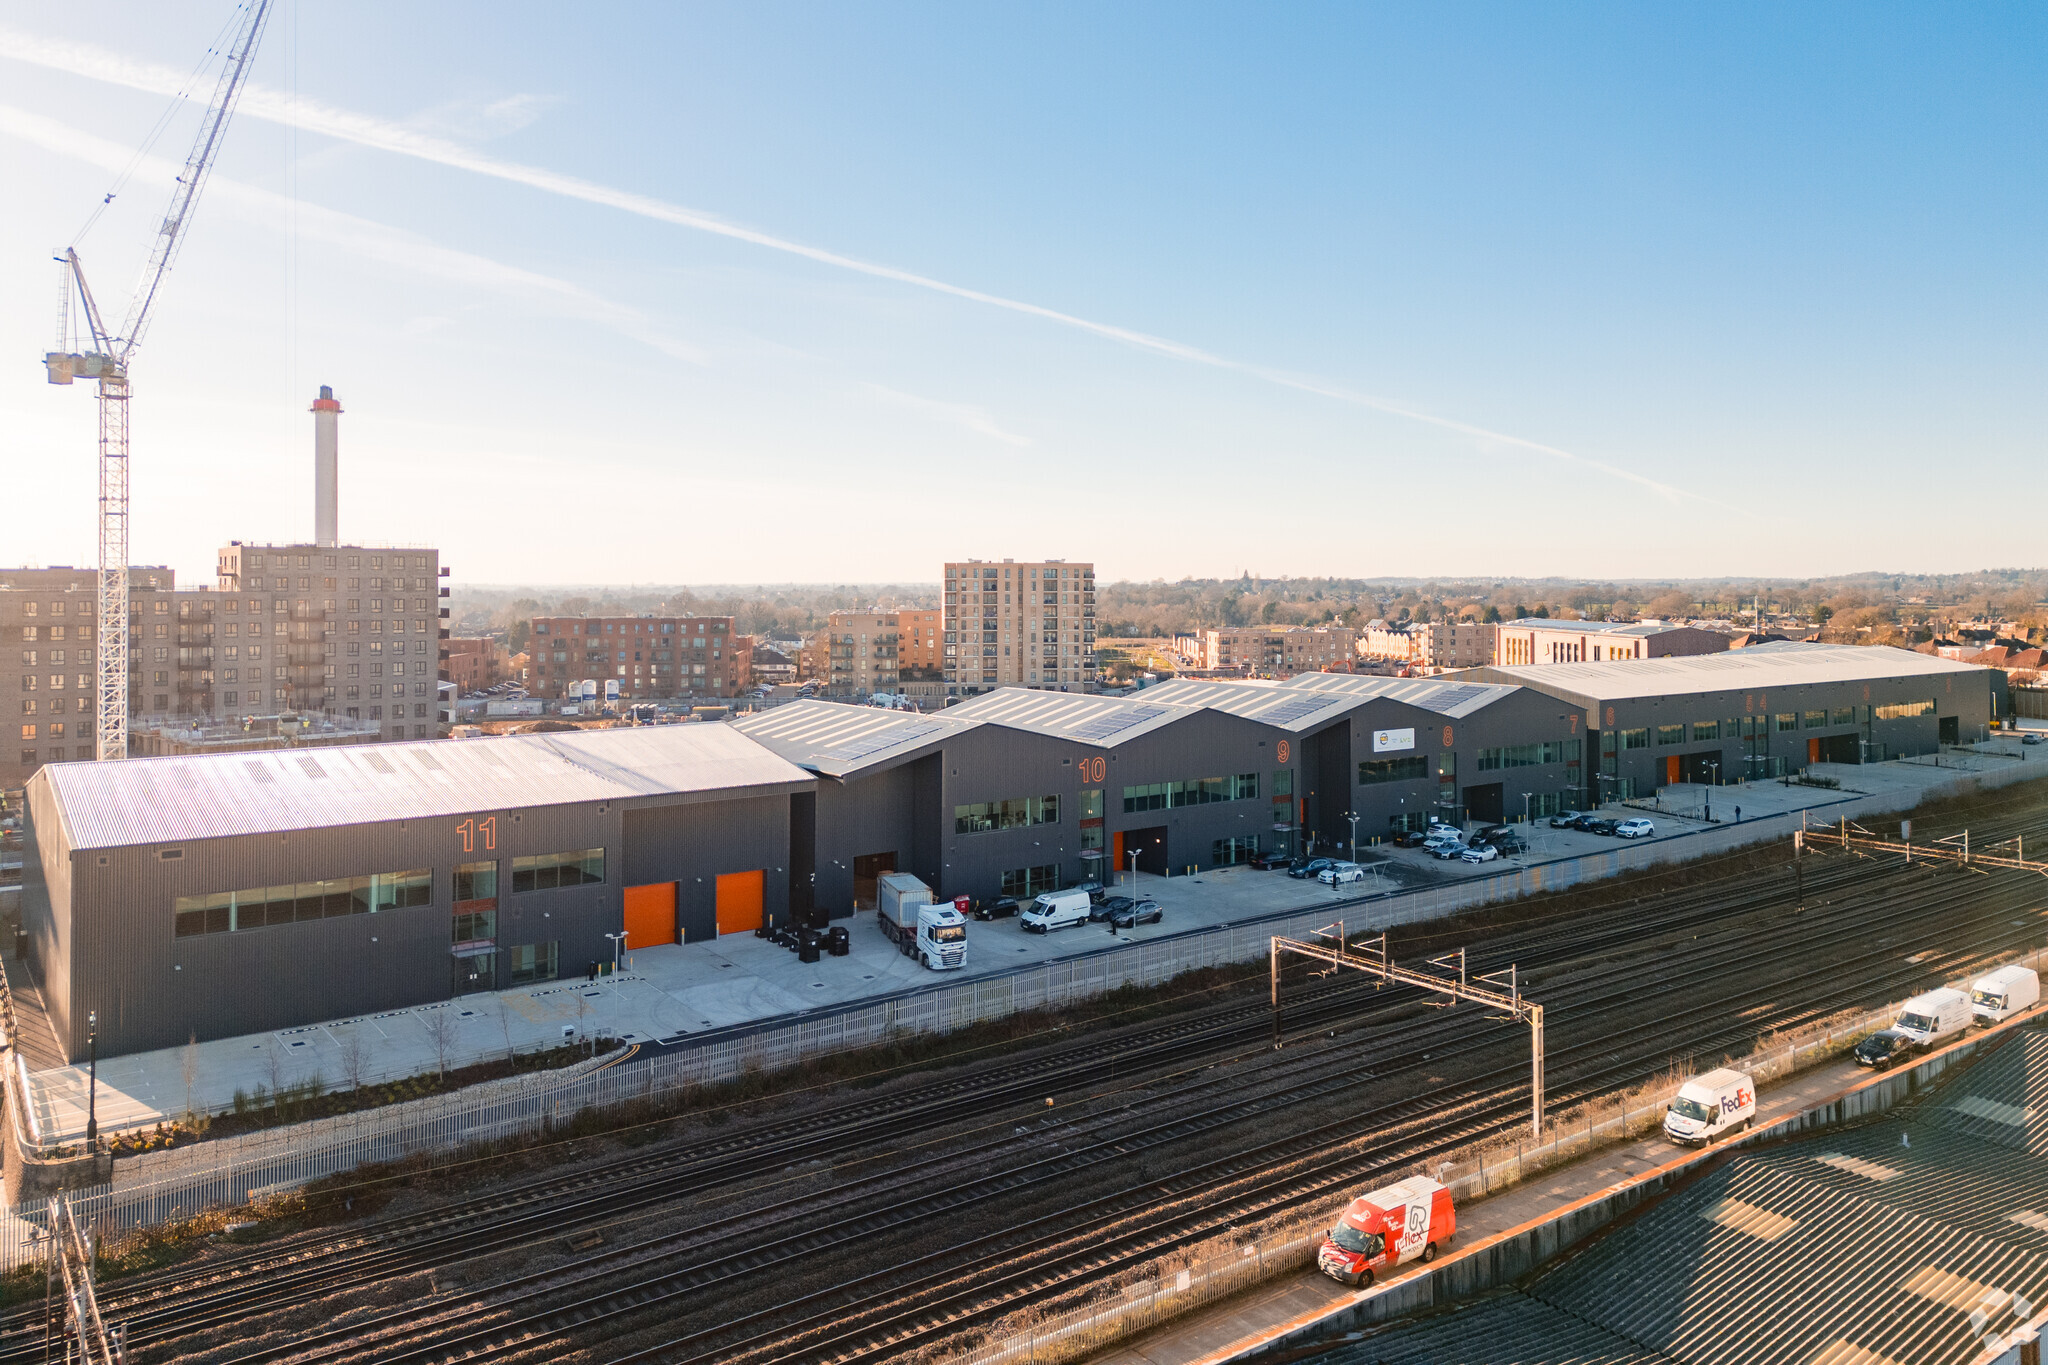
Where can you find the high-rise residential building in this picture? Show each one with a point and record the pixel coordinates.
(860, 653)
(1019, 625)
(49, 629)
(650, 657)
(352, 631)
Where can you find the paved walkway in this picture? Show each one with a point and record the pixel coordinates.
(667, 995)
(1209, 1332)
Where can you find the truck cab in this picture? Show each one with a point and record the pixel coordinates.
(941, 937)
(1387, 1228)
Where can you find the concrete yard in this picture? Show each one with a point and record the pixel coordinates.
(669, 995)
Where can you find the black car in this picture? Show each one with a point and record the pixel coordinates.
(1108, 907)
(1411, 838)
(996, 909)
(1142, 912)
(1510, 843)
(1302, 868)
(1600, 827)
(2030, 738)
(1266, 862)
(1883, 1048)
(1490, 833)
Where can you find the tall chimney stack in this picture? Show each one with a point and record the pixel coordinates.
(326, 480)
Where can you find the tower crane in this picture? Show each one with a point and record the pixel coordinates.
(107, 361)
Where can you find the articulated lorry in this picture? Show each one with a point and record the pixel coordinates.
(937, 934)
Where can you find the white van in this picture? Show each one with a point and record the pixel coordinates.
(1710, 1106)
(2004, 993)
(1056, 910)
(1928, 1019)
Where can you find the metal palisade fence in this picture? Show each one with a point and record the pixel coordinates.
(161, 1186)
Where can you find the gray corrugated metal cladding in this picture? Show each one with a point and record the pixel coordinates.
(209, 796)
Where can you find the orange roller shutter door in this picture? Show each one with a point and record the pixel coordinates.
(739, 902)
(650, 915)
(1671, 768)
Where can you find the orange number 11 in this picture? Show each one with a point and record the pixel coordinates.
(469, 829)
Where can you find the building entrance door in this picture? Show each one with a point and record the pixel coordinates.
(1485, 803)
(1149, 845)
(868, 869)
(478, 973)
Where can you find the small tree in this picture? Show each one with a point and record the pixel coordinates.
(355, 1059)
(188, 1068)
(441, 1033)
(505, 1027)
(273, 1071)
(582, 1014)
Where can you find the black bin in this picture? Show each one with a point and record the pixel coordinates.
(838, 942)
(807, 948)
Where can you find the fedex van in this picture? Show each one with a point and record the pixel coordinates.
(1711, 1106)
(2004, 993)
(1057, 910)
(1387, 1228)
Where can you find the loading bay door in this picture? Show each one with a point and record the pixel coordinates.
(739, 902)
(650, 915)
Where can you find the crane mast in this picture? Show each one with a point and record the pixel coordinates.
(107, 362)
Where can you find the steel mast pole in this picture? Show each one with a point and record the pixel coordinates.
(110, 662)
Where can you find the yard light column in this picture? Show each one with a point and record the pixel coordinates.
(618, 942)
(1352, 816)
(1525, 808)
(1711, 782)
(92, 1084)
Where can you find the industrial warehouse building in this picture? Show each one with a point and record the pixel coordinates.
(1763, 711)
(218, 894)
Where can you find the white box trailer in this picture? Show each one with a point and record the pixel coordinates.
(935, 934)
(2004, 993)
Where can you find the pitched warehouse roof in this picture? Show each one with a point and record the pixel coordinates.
(1456, 697)
(1106, 721)
(839, 739)
(214, 796)
(1784, 663)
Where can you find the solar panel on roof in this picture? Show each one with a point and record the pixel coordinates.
(888, 737)
(1102, 727)
(1294, 708)
(1451, 697)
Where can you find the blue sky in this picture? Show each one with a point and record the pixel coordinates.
(1591, 290)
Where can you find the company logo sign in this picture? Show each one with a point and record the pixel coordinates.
(1386, 741)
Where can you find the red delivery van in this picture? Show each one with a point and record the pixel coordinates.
(1387, 1228)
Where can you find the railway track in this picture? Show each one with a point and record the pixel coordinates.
(162, 1308)
(1266, 1180)
(165, 1304)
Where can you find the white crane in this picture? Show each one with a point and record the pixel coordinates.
(107, 361)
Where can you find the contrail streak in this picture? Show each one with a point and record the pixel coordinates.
(94, 63)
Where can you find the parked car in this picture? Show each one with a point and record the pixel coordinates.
(1303, 868)
(1000, 908)
(1411, 838)
(1491, 832)
(1266, 862)
(1637, 828)
(2030, 738)
(1606, 827)
(1567, 819)
(1511, 844)
(1336, 874)
(1107, 908)
(1094, 889)
(1141, 912)
(1480, 853)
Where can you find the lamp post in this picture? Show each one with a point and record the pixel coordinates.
(1712, 782)
(1352, 816)
(1525, 810)
(92, 1085)
(618, 942)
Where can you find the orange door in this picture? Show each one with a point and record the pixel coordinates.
(1671, 768)
(1116, 859)
(1813, 751)
(739, 902)
(650, 915)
